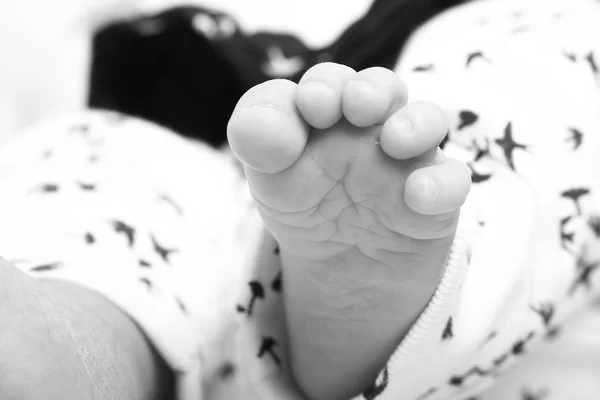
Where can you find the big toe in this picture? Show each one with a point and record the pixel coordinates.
(266, 131)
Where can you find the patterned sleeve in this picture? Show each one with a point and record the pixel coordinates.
(517, 295)
(149, 220)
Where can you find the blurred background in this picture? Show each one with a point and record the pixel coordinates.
(178, 60)
(181, 64)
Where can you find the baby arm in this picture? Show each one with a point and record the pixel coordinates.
(60, 340)
(90, 208)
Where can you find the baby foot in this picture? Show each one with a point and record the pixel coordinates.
(350, 181)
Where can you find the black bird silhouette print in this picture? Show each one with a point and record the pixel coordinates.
(570, 56)
(591, 60)
(267, 348)
(491, 336)
(575, 195)
(168, 200)
(424, 68)
(46, 188)
(428, 393)
(181, 305)
(476, 55)
(448, 330)
(566, 238)
(545, 312)
(147, 283)
(575, 136)
(277, 284)
(476, 177)
(87, 187)
(123, 228)
(585, 269)
(162, 251)
(89, 238)
(466, 118)
(509, 145)
(517, 349)
(46, 267)
(257, 292)
(144, 264)
(481, 151)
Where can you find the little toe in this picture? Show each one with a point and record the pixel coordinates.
(438, 189)
(319, 93)
(266, 131)
(372, 95)
(413, 130)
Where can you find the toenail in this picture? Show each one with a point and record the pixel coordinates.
(403, 126)
(268, 106)
(365, 87)
(430, 188)
(317, 88)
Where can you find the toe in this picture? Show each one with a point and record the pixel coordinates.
(413, 130)
(265, 130)
(319, 94)
(438, 189)
(372, 95)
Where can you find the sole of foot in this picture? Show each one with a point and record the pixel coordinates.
(349, 179)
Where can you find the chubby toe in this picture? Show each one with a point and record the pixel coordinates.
(372, 95)
(319, 94)
(265, 131)
(438, 189)
(413, 130)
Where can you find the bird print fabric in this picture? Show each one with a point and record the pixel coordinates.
(108, 201)
(526, 258)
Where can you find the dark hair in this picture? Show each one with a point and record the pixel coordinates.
(181, 79)
(379, 37)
